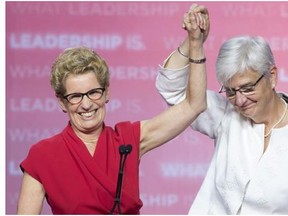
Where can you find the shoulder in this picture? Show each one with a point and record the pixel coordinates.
(128, 132)
(127, 125)
(46, 145)
(124, 130)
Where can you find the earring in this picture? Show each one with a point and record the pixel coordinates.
(107, 101)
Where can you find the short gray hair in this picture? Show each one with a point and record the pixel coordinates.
(243, 53)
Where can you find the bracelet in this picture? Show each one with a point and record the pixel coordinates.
(197, 61)
(182, 53)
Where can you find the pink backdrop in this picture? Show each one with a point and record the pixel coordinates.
(134, 37)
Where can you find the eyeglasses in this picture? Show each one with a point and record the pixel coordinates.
(93, 94)
(245, 90)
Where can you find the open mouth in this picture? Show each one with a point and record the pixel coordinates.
(88, 114)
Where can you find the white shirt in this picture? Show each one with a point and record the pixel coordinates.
(240, 179)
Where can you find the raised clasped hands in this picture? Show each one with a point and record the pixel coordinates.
(196, 22)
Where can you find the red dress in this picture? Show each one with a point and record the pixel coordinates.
(77, 183)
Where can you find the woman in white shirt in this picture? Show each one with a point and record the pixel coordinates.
(248, 173)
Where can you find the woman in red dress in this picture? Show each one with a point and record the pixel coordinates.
(77, 169)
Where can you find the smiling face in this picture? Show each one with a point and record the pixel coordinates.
(87, 116)
(255, 104)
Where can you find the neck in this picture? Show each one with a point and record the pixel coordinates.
(276, 120)
(90, 140)
(88, 137)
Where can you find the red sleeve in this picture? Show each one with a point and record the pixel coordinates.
(40, 156)
(31, 164)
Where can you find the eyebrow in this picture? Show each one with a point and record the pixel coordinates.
(244, 85)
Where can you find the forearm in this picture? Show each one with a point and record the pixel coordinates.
(172, 78)
(179, 58)
(172, 83)
(197, 81)
(165, 127)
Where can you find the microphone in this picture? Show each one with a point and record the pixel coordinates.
(128, 148)
(123, 150)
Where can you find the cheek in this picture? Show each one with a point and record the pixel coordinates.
(102, 108)
(102, 102)
(71, 109)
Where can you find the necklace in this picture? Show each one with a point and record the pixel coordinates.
(282, 117)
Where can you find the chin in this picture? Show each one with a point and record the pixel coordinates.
(248, 113)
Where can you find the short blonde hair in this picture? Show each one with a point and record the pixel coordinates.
(75, 61)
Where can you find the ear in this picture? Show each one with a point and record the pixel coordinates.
(107, 95)
(273, 76)
(62, 104)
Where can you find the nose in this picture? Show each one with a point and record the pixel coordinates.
(239, 99)
(86, 102)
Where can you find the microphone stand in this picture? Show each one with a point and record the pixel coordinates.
(122, 150)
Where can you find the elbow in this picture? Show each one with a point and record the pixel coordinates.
(199, 104)
(203, 105)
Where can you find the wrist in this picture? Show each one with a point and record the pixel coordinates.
(197, 61)
(182, 53)
(191, 59)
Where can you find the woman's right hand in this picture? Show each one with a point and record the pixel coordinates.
(196, 22)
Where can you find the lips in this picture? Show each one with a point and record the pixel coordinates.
(88, 114)
(248, 106)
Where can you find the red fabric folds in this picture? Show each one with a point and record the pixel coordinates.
(77, 183)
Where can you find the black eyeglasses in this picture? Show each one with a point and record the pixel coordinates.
(245, 90)
(93, 94)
